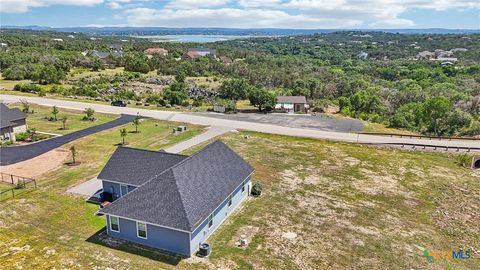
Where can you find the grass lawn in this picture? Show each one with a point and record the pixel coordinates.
(37, 119)
(325, 205)
(381, 128)
(46, 228)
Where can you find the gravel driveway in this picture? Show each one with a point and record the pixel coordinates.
(319, 122)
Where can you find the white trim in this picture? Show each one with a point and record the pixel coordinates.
(121, 191)
(120, 183)
(194, 229)
(175, 229)
(146, 230)
(110, 223)
(158, 225)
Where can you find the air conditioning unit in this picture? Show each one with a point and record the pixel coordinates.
(205, 250)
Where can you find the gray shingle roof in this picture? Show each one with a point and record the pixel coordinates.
(8, 115)
(292, 99)
(187, 193)
(136, 166)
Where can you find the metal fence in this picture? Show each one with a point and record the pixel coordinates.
(420, 136)
(19, 184)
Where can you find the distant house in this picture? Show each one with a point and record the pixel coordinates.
(115, 47)
(57, 39)
(425, 55)
(194, 53)
(105, 55)
(362, 55)
(169, 201)
(152, 51)
(291, 103)
(11, 121)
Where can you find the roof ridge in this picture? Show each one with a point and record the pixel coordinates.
(152, 151)
(181, 198)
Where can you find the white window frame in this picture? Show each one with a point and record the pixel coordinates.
(146, 230)
(121, 190)
(210, 219)
(110, 223)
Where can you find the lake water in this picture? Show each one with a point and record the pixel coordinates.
(191, 38)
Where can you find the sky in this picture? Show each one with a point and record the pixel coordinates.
(294, 14)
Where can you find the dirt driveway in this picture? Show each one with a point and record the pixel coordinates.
(37, 166)
(319, 122)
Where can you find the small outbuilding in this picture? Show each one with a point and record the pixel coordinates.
(291, 103)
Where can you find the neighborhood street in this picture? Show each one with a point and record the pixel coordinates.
(278, 128)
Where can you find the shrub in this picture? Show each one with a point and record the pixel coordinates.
(464, 160)
(21, 136)
(27, 87)
(256, 189)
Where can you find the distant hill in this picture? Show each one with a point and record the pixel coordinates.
(120, 31)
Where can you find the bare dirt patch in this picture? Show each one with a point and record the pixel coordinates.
(36, 167)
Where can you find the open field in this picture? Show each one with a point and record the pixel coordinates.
(330, 205)
(37, 119)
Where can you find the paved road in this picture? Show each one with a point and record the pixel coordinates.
(320, 122)
(14, 154)
(260, 127)
(212, 132)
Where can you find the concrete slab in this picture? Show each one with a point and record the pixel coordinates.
(87, 189)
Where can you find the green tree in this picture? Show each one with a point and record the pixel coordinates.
(74, 153)
(97, 64)
(64, 120)
(136, 123)
(262, 98)
(435, 111)
(89, 112)
(55, 112)
(123, 135)
(137, 62)
(234, 89)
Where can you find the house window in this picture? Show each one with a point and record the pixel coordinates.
(114, 224)
(142, 230)
(243, 187)
(210, 221)
(229, 200)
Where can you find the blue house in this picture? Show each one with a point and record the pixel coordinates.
(169, 201)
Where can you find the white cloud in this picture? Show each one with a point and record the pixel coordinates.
(193, 4)
(229, 17)
(311, 14)
(22, 6)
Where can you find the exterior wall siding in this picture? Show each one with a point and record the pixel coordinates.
(172, 240)
(202, 232)
(114, 188)
(157, 237)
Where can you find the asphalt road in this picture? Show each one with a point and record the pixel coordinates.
(245, 125)
(14, 154)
